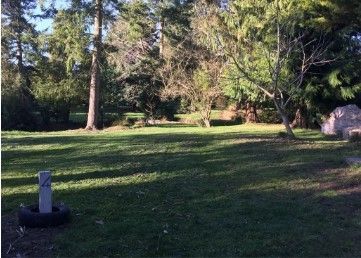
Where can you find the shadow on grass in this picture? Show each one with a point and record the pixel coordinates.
(173, 125)
(263, 153)
(222, 122)
(208, 216)
(196, 195)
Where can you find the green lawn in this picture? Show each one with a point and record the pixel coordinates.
(190, 191)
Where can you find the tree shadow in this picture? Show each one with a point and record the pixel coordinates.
(196, 195)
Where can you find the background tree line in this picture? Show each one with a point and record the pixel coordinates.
(299, 59)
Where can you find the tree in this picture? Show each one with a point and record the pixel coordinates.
(58, 80)
(139, 46)
(338, 82)
(18, 33)
(17, 44)
(101, 11)
(264, 41)
(193, 71)
(195, 78)
(135, 57)
(94, 89)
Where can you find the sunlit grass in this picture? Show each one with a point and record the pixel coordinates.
(191, 191)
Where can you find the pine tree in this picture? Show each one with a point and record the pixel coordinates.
(18, 34)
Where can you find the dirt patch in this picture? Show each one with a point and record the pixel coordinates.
(26, 242)
(116, 128)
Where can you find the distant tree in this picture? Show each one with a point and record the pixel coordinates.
(18, 34)
(17, 45)
(138, 45)
(193, 71)
(59, 80)
(194, 76)
(132, 38)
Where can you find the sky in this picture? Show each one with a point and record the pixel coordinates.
(43, 24)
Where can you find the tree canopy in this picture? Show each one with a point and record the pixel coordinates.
(297, 58)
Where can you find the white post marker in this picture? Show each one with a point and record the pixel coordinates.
(45, 204)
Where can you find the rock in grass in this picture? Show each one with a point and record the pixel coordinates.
(345, 121)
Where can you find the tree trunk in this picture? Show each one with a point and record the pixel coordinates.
(19, 57)
(285, 120)
(251, 113)
(161, 36)
(206, 116)
(24, 82)
(95, 70)
(206, 122)
(300, 118)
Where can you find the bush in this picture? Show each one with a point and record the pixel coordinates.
(269, 116)
(16, 112)
(167, 109)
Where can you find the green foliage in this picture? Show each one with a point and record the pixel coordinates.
(239, 89)
(69, 40)
(202, 79)
(131, 38)
(134, 52)
(60, 80)
(16, 111)
(338, 82)
(18, 44)
(50, 70)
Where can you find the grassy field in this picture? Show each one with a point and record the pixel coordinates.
(190, 191)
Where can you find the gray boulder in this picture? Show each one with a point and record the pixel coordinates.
(345, 121)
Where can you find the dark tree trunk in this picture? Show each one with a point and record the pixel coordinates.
(24, 82)
(95, 70)
(65, 115)
(251, 113)
(45, 115)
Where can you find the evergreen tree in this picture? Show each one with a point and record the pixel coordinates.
(58, 82)
(17, 44)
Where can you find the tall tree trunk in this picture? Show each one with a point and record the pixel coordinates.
(24, 80)
(95, 69)
(285, 120)
(21, 70)
(161, 35)
(251, 113)
(19, 56)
